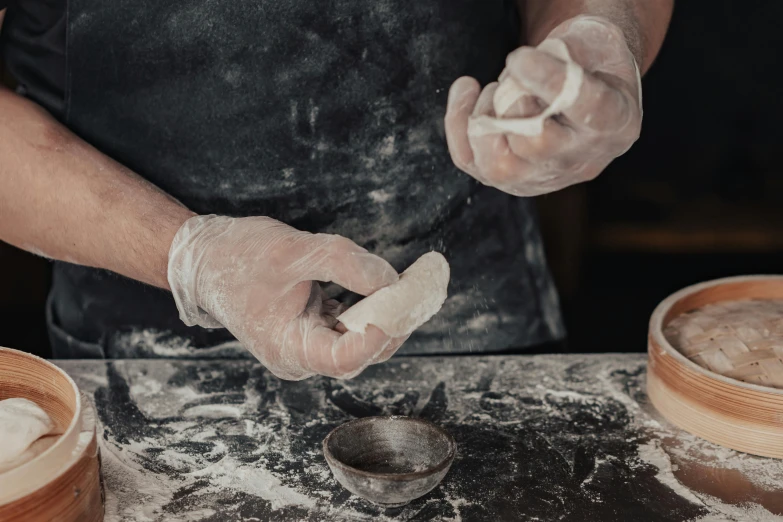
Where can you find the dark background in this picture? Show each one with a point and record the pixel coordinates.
(698, 197)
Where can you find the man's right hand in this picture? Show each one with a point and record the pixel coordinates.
(258, 277)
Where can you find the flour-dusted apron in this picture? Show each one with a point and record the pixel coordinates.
(326, 115)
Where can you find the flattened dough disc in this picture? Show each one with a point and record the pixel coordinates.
(401, 308)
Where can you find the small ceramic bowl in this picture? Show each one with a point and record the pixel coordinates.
(389, 460)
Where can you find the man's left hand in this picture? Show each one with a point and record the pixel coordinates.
(600, 121)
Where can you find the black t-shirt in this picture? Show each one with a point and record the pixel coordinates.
(32, 43)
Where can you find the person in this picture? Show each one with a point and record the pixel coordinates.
(196, 169)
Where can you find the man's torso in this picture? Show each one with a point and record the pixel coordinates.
(324, 115)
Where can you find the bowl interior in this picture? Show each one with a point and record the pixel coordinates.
(391, 445)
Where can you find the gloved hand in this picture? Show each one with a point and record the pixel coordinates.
(258, 277)
(592, 87)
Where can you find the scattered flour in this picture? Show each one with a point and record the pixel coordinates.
(131, 493)
(254, 480)
(380, 196)
(741, 513)
(765, 473)
(213, 411)
(569, 395)
(652, 453)
(246, 449)
(152, 343)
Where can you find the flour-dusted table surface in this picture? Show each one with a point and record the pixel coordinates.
(540, 438)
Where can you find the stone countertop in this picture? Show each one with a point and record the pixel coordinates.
(544, 437)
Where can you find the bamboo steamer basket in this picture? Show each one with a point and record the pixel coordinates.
(743, 416)
(64, 482)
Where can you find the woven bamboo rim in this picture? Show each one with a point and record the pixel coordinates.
(739, 415)
(63, 483)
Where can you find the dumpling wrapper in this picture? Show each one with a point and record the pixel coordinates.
(509, 91)
(22, 422)
(401, 308)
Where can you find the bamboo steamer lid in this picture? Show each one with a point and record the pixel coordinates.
(64, 482)
(739, 339)
(715, 368)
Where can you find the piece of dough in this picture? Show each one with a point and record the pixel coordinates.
(35, 449)
(506, 95)
(401, 308)
(22, 422)
(509, 91)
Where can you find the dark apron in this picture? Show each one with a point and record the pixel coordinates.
(326, 115)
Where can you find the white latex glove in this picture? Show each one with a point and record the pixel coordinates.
(585, 75)
(258, 277)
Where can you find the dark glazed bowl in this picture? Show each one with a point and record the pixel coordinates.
(389, 460)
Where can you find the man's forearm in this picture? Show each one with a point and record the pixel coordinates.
(62, 198)
(644, 22)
